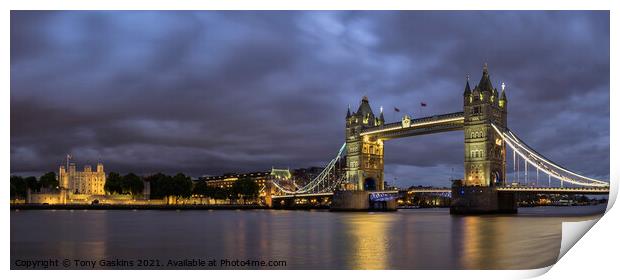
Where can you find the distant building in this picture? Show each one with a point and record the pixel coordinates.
(263, 179)
(280, 174)
(82, 182)
(227, 180)
(303, 176)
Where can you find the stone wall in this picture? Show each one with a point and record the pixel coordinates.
(350, 201)
(44, 198)
(481, 200)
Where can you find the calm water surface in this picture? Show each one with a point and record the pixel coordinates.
(406, 239)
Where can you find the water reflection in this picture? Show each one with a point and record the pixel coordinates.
(471, 242)
(369, 240)
(407, 239)
(504, 242)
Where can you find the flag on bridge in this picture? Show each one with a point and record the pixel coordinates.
(422, 104)
(396, 109)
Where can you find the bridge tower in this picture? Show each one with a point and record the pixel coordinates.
(364, 168)
(485, 152)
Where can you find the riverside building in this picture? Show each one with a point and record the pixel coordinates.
(82, 182)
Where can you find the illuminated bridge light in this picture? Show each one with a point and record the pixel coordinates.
(550, 168)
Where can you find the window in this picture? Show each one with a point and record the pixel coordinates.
(476, 153)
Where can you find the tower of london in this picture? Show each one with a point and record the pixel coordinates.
(82, 182)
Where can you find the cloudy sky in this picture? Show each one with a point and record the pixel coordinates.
(213, 92)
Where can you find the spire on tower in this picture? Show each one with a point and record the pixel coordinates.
(485, 81)
(503, 100)
(467, 88)
(349, 111)
(364, 112)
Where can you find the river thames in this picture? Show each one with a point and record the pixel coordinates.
(406, 239)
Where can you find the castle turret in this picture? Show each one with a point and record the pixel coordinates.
(72, 168)
(63, 180)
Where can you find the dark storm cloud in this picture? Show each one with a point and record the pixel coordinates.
(213, 92)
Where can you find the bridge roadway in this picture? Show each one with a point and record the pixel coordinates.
(419, 126)
(517, 189)
(582, 190)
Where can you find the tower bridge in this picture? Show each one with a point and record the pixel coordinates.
(357, 171)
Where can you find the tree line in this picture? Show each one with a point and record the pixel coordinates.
(162, 185)
(181, 186)
(127, 184)
(20, 185)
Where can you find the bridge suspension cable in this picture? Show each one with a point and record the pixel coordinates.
(325, 181)
(543, 164)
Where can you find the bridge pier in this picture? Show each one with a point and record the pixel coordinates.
(353, 200)
(482, 200)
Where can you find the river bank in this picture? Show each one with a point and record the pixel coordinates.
(136, 207)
